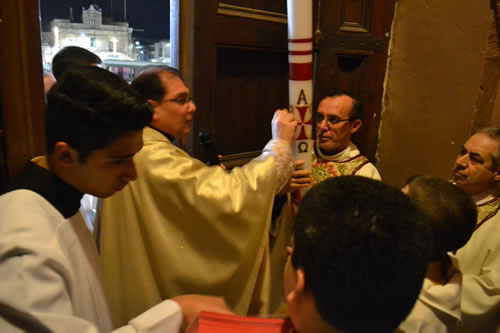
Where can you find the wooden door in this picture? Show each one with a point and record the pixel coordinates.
(233, 54)
(351, 42)
(21, 86)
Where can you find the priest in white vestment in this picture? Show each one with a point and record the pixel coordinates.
(477, 172)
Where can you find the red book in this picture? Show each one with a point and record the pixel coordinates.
(209, 322)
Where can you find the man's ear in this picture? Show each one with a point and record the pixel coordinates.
(496, 185)
(298, 289)
(64, 154)
(356, 124)
(154, 105)
(496, 177)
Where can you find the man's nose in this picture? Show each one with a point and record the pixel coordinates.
(461, 161)
(322, 124)
(192, 107)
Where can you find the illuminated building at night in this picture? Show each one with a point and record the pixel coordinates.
(107, 39)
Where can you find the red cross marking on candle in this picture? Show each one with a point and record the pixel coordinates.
(302, 122)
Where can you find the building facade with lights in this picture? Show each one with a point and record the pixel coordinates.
(109, 40)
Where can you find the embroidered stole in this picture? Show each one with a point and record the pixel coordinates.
(487, 210)
(322, 169)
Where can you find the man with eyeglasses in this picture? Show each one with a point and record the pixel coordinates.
(184, 227)
(337, 118)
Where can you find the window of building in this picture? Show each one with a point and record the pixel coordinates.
(92, 23)
(92, 42)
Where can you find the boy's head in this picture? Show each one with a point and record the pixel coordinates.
(361, 250)
(73, 56)
(94, 123)
(451, 212)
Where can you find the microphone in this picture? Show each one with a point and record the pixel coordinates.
(208, 144)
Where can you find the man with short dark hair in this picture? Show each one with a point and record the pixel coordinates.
(49, 270)
(359, 257)
(337, 118)
(211, 226)
(477, 172)
(452, 215)
(67, 58)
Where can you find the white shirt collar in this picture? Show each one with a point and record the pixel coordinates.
(349, 152)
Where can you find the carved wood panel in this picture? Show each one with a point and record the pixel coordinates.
(259, 85)
(238, 72)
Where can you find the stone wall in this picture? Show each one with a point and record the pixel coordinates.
(431, 88)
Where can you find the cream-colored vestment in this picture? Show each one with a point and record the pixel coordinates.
(479, 261)
(183, 227)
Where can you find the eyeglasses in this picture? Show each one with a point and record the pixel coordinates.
(179, 100)
(330, 120)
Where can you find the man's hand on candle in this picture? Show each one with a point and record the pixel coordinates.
(300, 179)
(283, 125)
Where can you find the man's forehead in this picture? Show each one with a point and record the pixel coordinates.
(338, 105)
(172, 83)
(126, 145)
(482, 144)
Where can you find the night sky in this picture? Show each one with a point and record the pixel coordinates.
(151, 15)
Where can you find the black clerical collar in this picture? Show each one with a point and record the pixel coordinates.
(64, 197)
(168, 136)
